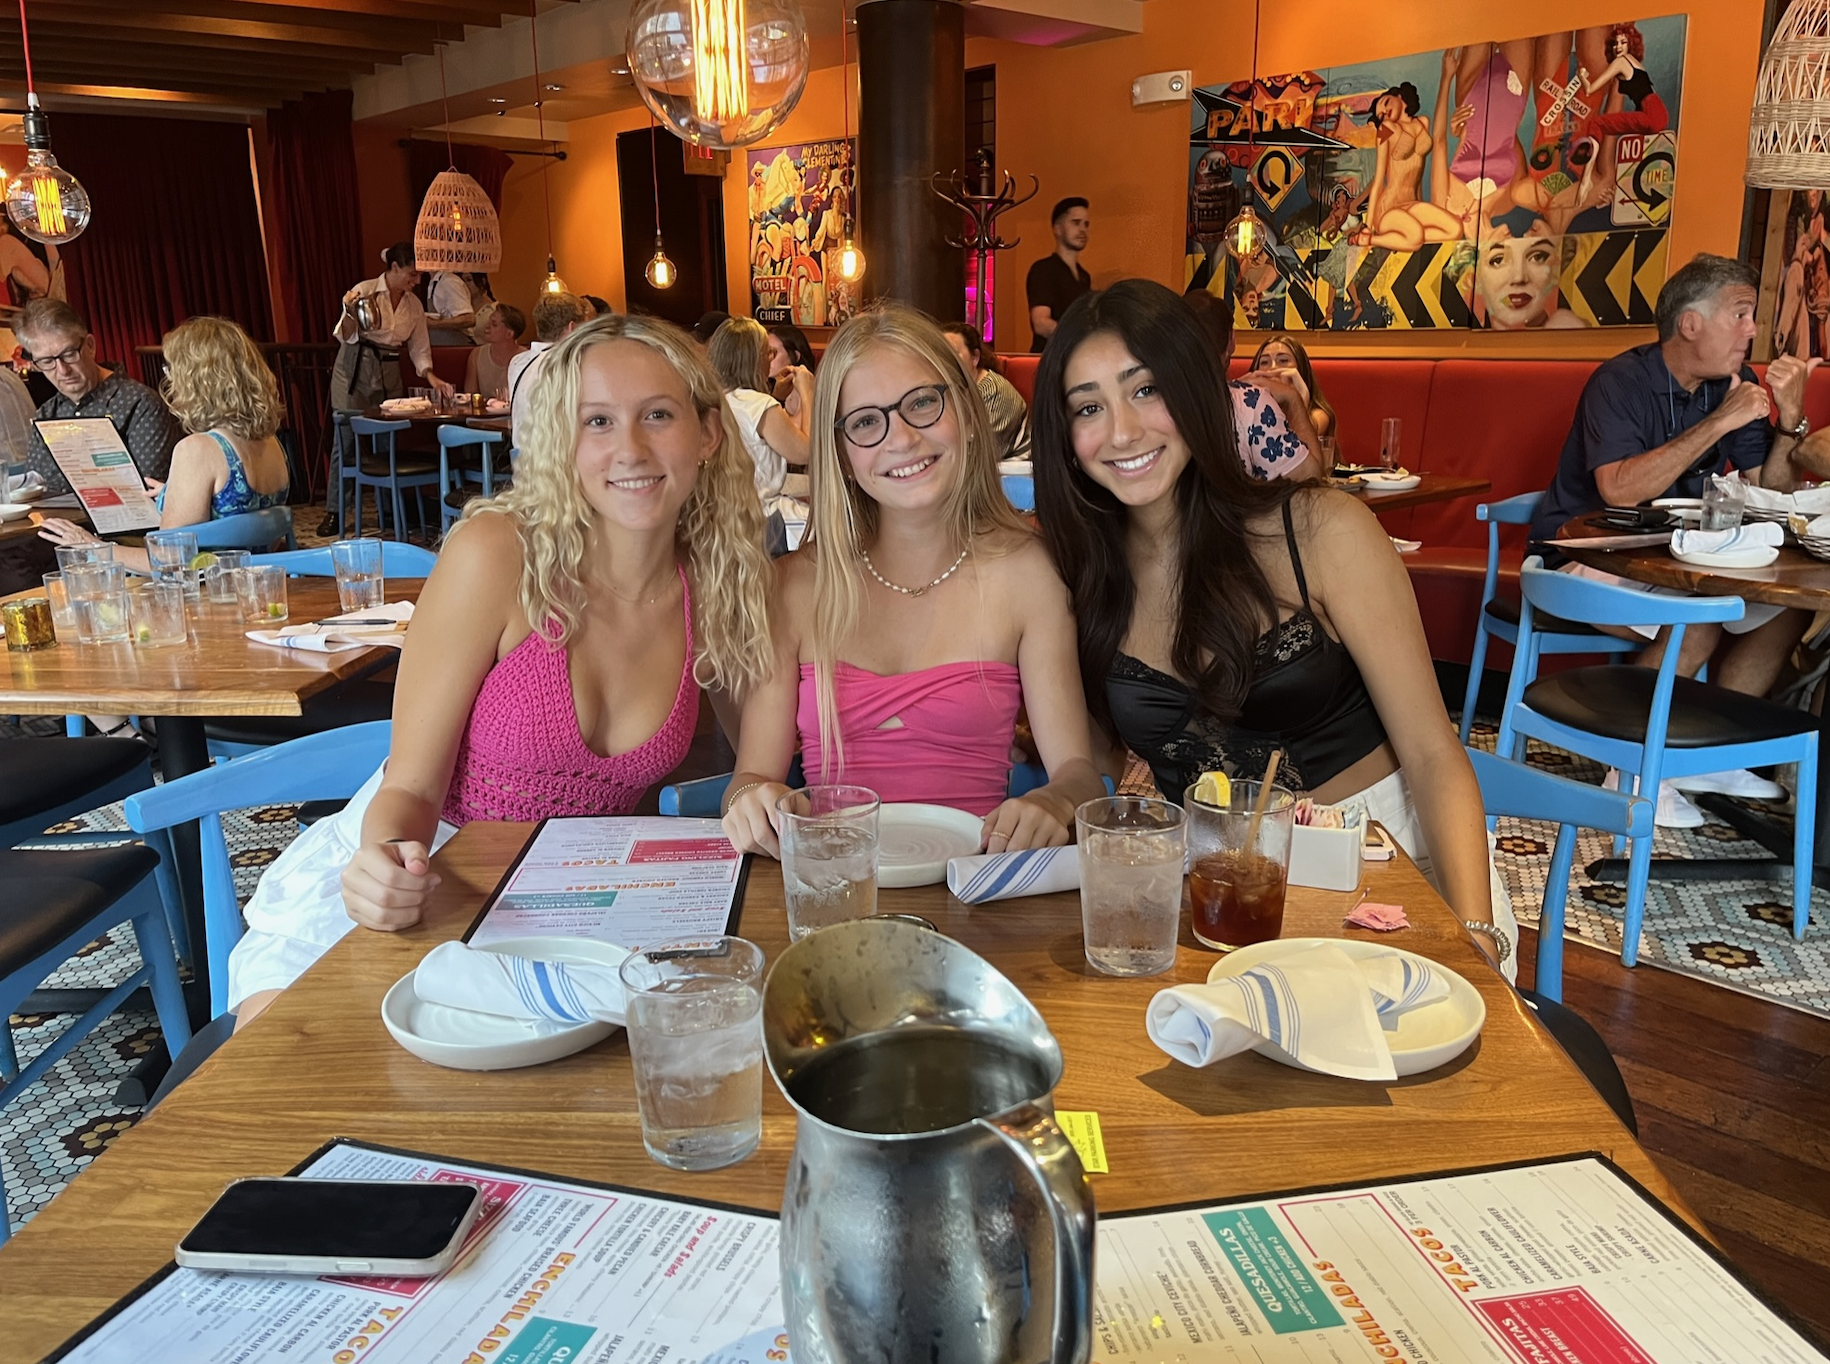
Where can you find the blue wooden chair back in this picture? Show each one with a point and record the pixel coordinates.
(256, 530)
(704, 798)
(398, 559)
(1021, 490)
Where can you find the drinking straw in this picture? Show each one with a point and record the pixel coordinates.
(1264, 798)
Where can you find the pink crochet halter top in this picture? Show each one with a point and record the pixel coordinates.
(522, 757)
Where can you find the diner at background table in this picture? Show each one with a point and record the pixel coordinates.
(1172, 1134)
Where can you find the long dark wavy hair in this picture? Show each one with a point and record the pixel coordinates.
(1225, 602)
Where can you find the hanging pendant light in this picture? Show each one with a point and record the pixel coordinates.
(552, 284)
(44, 201)
(1247, 232)
(851, 259)
(457, 229)
(660, 272)
(719, 73)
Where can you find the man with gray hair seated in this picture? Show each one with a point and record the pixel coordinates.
(1659, 420)
(58, 343)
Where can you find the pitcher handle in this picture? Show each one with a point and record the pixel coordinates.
(1034, 1135)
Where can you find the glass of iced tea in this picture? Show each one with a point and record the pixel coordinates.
(1236, 889)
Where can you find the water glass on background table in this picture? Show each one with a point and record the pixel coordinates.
(62, 616)
(1391, 432)
(357, 564)
(829, 855)
(1724, 504)
(1235, 891)
(95, 552)
(1131, 856)
(262, 590)
(220, 574)
(157, 614)
(173, 555)
(695, 1043)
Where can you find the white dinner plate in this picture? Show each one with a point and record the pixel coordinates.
(29, 494)
(1424, 1038)
(12, 511)
(1689, 510)
(1386, 483)
(914, 843)
(463, 1040)
(1754, 556)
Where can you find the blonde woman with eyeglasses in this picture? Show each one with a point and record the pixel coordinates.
(558, 649)
(919, 615)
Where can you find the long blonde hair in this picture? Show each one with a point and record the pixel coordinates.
(217, 379)
(720, 531)
(843, 521)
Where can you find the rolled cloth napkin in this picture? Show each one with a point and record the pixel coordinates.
(1325, 1008)
(1003, 876)
(459, 976)
(332, 638)
(16, 484)
(1752, 535)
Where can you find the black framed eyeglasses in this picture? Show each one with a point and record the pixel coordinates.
(920, 408)
(45, 363)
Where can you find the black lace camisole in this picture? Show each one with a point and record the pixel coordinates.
(1306, 697)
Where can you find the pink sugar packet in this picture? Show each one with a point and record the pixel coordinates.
(1382, 918)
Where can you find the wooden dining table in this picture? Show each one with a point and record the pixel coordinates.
(318, 1064)
(218, 671)
(1430, 488)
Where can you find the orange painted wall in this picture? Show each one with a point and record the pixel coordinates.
(386, 193)
(1065, 115)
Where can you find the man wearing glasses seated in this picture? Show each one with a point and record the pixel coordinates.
(57, 342)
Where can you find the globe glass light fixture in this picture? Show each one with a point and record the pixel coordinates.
(552, 284)
(851, 259)
(719, 73)
(1246, 234)
(45, 201)
(660, 272)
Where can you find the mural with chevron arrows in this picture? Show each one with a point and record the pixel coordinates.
(1507, 186)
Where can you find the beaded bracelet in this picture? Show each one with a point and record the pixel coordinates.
(1492, 931)
(732, 797)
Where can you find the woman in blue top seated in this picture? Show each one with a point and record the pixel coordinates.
(219, 386)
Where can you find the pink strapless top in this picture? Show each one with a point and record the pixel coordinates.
(952, 746)
(522, 756)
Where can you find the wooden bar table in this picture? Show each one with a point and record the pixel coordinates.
(318, 1064)
(219, 671)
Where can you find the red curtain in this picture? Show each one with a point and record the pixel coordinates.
(176, 230)
(316, 235)
(486, 165)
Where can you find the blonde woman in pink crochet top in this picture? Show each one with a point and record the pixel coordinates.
(557, 651)
(920, 612)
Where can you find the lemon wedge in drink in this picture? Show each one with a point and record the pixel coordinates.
(276, 609)
(144, 634)
(1214, 788)
(199, 562)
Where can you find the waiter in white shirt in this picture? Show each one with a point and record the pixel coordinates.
(368, 363)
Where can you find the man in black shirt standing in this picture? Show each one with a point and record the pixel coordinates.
(1057, 280)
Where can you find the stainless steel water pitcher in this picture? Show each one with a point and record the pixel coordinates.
(934, 1211)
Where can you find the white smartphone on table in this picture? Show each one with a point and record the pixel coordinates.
(408, 1228)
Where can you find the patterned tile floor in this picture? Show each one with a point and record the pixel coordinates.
(1736, 934)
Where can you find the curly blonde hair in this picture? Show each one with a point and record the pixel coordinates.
(720, 530)
(843, 520)
(216, 379)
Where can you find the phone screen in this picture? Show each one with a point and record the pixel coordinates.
(334, 1219)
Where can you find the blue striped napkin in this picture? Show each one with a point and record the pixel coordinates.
(459, 976)
(1750, 535)
(1002, 876)
(1318, 1005)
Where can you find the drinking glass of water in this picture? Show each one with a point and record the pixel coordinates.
(171, 554)
(1131, 850)
(1724, 504)
(1391, 433)
(829, 855)
(357, 564)
(695, 1042)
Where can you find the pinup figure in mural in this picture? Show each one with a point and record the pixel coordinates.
(1627, 69)
(1801, 325)
(1326, 248)
(1398, 217)
(1516, 266)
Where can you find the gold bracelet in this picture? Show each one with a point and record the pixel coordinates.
(732, 797)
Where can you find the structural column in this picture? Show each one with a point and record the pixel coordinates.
(912, 111)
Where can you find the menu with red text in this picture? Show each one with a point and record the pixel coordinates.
(1558, 1263)
(630, 880)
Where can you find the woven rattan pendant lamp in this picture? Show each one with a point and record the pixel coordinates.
(1788, 145)
(457, 230)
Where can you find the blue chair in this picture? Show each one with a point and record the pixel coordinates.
(343, 467)
(477, 464)
(1021, 490)
(1652, 724)
(1499, 619)
(256, 530)
(398, 560)
(1518, 791)
(56, 902)
(328, 766)
(704, 798)
(379, 465)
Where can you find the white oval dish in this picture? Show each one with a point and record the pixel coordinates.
(914, 843)
(1424, 1038)
(12, 511)
(463, 1040)
(1384, 483)
(1755, 556)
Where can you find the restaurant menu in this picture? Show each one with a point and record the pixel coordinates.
(626, 880)
(1558, 1263)
(552, 1273)
(102, 474)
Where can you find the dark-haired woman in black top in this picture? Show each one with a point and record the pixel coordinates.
(1220, 617)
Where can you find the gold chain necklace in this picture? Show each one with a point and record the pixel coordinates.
(914, 591)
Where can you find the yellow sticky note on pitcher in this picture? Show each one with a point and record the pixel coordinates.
(1082, 1129)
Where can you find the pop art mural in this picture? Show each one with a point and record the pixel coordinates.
(799, 198)
(1507, 186)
